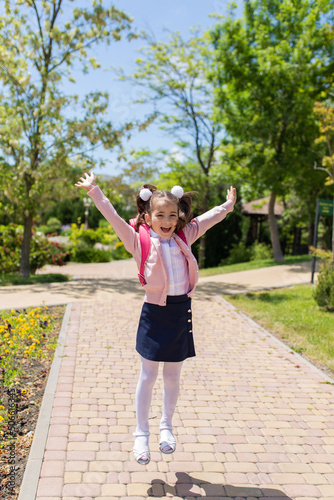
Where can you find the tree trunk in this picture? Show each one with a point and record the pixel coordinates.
(276, 246)
(25, 249)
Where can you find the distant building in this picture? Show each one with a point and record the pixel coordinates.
(297, 243)
(257, 211)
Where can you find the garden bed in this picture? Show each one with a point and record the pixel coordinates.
(21, 392)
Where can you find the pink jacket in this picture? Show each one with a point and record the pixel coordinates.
(155, 271)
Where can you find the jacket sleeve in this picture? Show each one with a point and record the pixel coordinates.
(198, 226)
(124, 231)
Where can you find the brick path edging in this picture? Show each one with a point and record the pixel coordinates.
(28, 490)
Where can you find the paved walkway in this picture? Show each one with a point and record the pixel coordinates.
(254, 420)
(98, 282)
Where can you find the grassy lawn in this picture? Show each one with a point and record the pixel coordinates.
(15, 279)
(253, 264)
(293, 315)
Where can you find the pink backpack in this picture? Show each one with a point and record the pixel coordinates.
(145, 244)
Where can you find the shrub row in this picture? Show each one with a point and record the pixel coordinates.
(42, 251)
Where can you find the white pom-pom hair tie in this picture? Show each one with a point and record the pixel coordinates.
(145, 194)
(177, 191)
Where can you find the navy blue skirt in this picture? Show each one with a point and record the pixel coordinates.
(165, 333)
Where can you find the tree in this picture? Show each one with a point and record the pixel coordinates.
(174, 73)
(270, 67)
(188, 173)
(45, 134)
(325, 114)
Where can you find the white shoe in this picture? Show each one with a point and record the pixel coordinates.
(167, 440)
(141, 450)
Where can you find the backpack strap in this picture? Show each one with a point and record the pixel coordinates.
(145, 243)
(182, 236)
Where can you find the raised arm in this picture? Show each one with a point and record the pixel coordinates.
(205, 221)
(123, 230)
(87, 182)
(232, 195)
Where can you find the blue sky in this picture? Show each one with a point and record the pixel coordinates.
(174, 15)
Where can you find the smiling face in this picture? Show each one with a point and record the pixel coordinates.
(163, 217)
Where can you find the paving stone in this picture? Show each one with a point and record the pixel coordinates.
(243, 425)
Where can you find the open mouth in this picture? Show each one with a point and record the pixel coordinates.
(165, 229)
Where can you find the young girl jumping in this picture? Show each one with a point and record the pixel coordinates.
(170, 275)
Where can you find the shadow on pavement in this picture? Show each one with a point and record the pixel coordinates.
(187, 486)
(93, 286)
(82, 287)
(209, 289)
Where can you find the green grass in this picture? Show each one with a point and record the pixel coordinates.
(16, 279)
(253, 264)
(293, 315)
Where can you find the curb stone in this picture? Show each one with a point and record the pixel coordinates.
(31, 475)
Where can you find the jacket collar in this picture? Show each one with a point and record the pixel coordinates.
(153, 234)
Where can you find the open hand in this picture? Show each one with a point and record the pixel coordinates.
(87, 183)
(232, 194)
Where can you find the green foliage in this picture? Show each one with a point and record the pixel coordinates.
(270, 67)
(324, 289)
(53, 225)
(324, 255)
(10, 243)
(239, 253)
(83, 241)
(242, 253)
(87, 254)
(261, 251)
(25, 334)
(41, 142)
(325, 114)
(269, 71)
(175, 73)
(120, 253)
(43, 251)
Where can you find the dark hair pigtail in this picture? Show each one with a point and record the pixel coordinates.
(185, 213)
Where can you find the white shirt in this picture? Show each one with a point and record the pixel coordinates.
(176, 265)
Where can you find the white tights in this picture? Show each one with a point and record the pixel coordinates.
(147, 378)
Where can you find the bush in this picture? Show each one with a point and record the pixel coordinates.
(120, 253)
(42, 251)
(10, 248)
(324, 289)
(261, 251)
(239, 253)
(54, 225)
(83, 241)
(86, 254)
